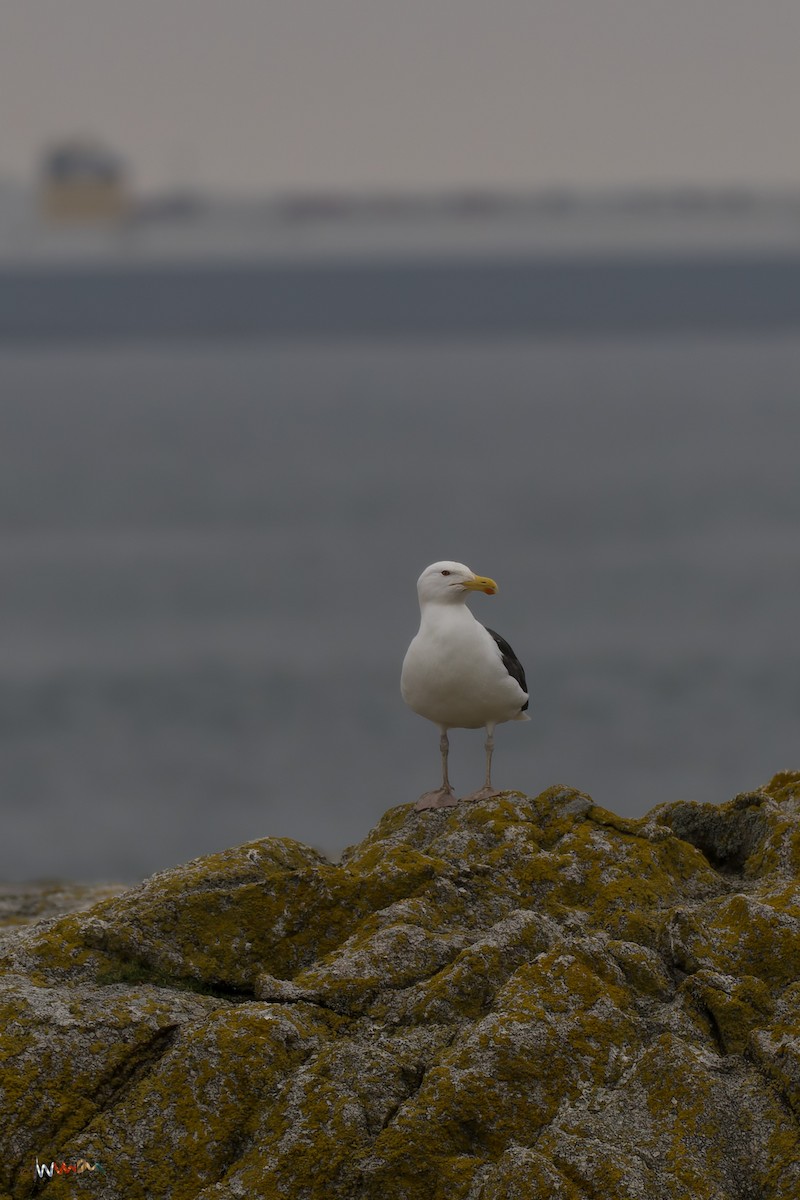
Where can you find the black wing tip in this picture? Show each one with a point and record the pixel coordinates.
(510, 662)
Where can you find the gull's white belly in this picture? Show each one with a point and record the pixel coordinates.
(459, 681)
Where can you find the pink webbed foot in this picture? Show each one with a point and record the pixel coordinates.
(441, 798)
(485, 793)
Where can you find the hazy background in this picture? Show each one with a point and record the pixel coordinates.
(371, 285)
(365, 93)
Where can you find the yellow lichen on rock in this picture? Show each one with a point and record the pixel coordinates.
(525, 998)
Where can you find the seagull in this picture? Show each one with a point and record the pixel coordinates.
(458, 673)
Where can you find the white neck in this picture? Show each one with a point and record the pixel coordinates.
(453, 610)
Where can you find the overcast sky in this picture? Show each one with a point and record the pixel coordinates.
(263, 95)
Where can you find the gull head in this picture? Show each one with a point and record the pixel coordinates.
(450, 583)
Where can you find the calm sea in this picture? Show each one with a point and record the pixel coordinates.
(209, 547)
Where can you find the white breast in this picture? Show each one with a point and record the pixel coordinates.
(454, 674)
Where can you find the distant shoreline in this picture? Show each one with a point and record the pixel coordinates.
(403, 297)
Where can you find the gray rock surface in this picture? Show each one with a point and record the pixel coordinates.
(518, 999)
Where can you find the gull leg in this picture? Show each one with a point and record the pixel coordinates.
(487, 791)
(443, 797)
(444, 748)
(489, 752)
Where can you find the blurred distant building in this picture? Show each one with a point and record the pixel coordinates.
(83, 181)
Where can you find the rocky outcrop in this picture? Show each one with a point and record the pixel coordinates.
(512, 1000)
(24, 903)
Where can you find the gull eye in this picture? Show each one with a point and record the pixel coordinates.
(447, 572)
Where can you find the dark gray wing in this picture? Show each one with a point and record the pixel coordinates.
(510, 662)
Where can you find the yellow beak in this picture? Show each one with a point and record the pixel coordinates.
(479, 583)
